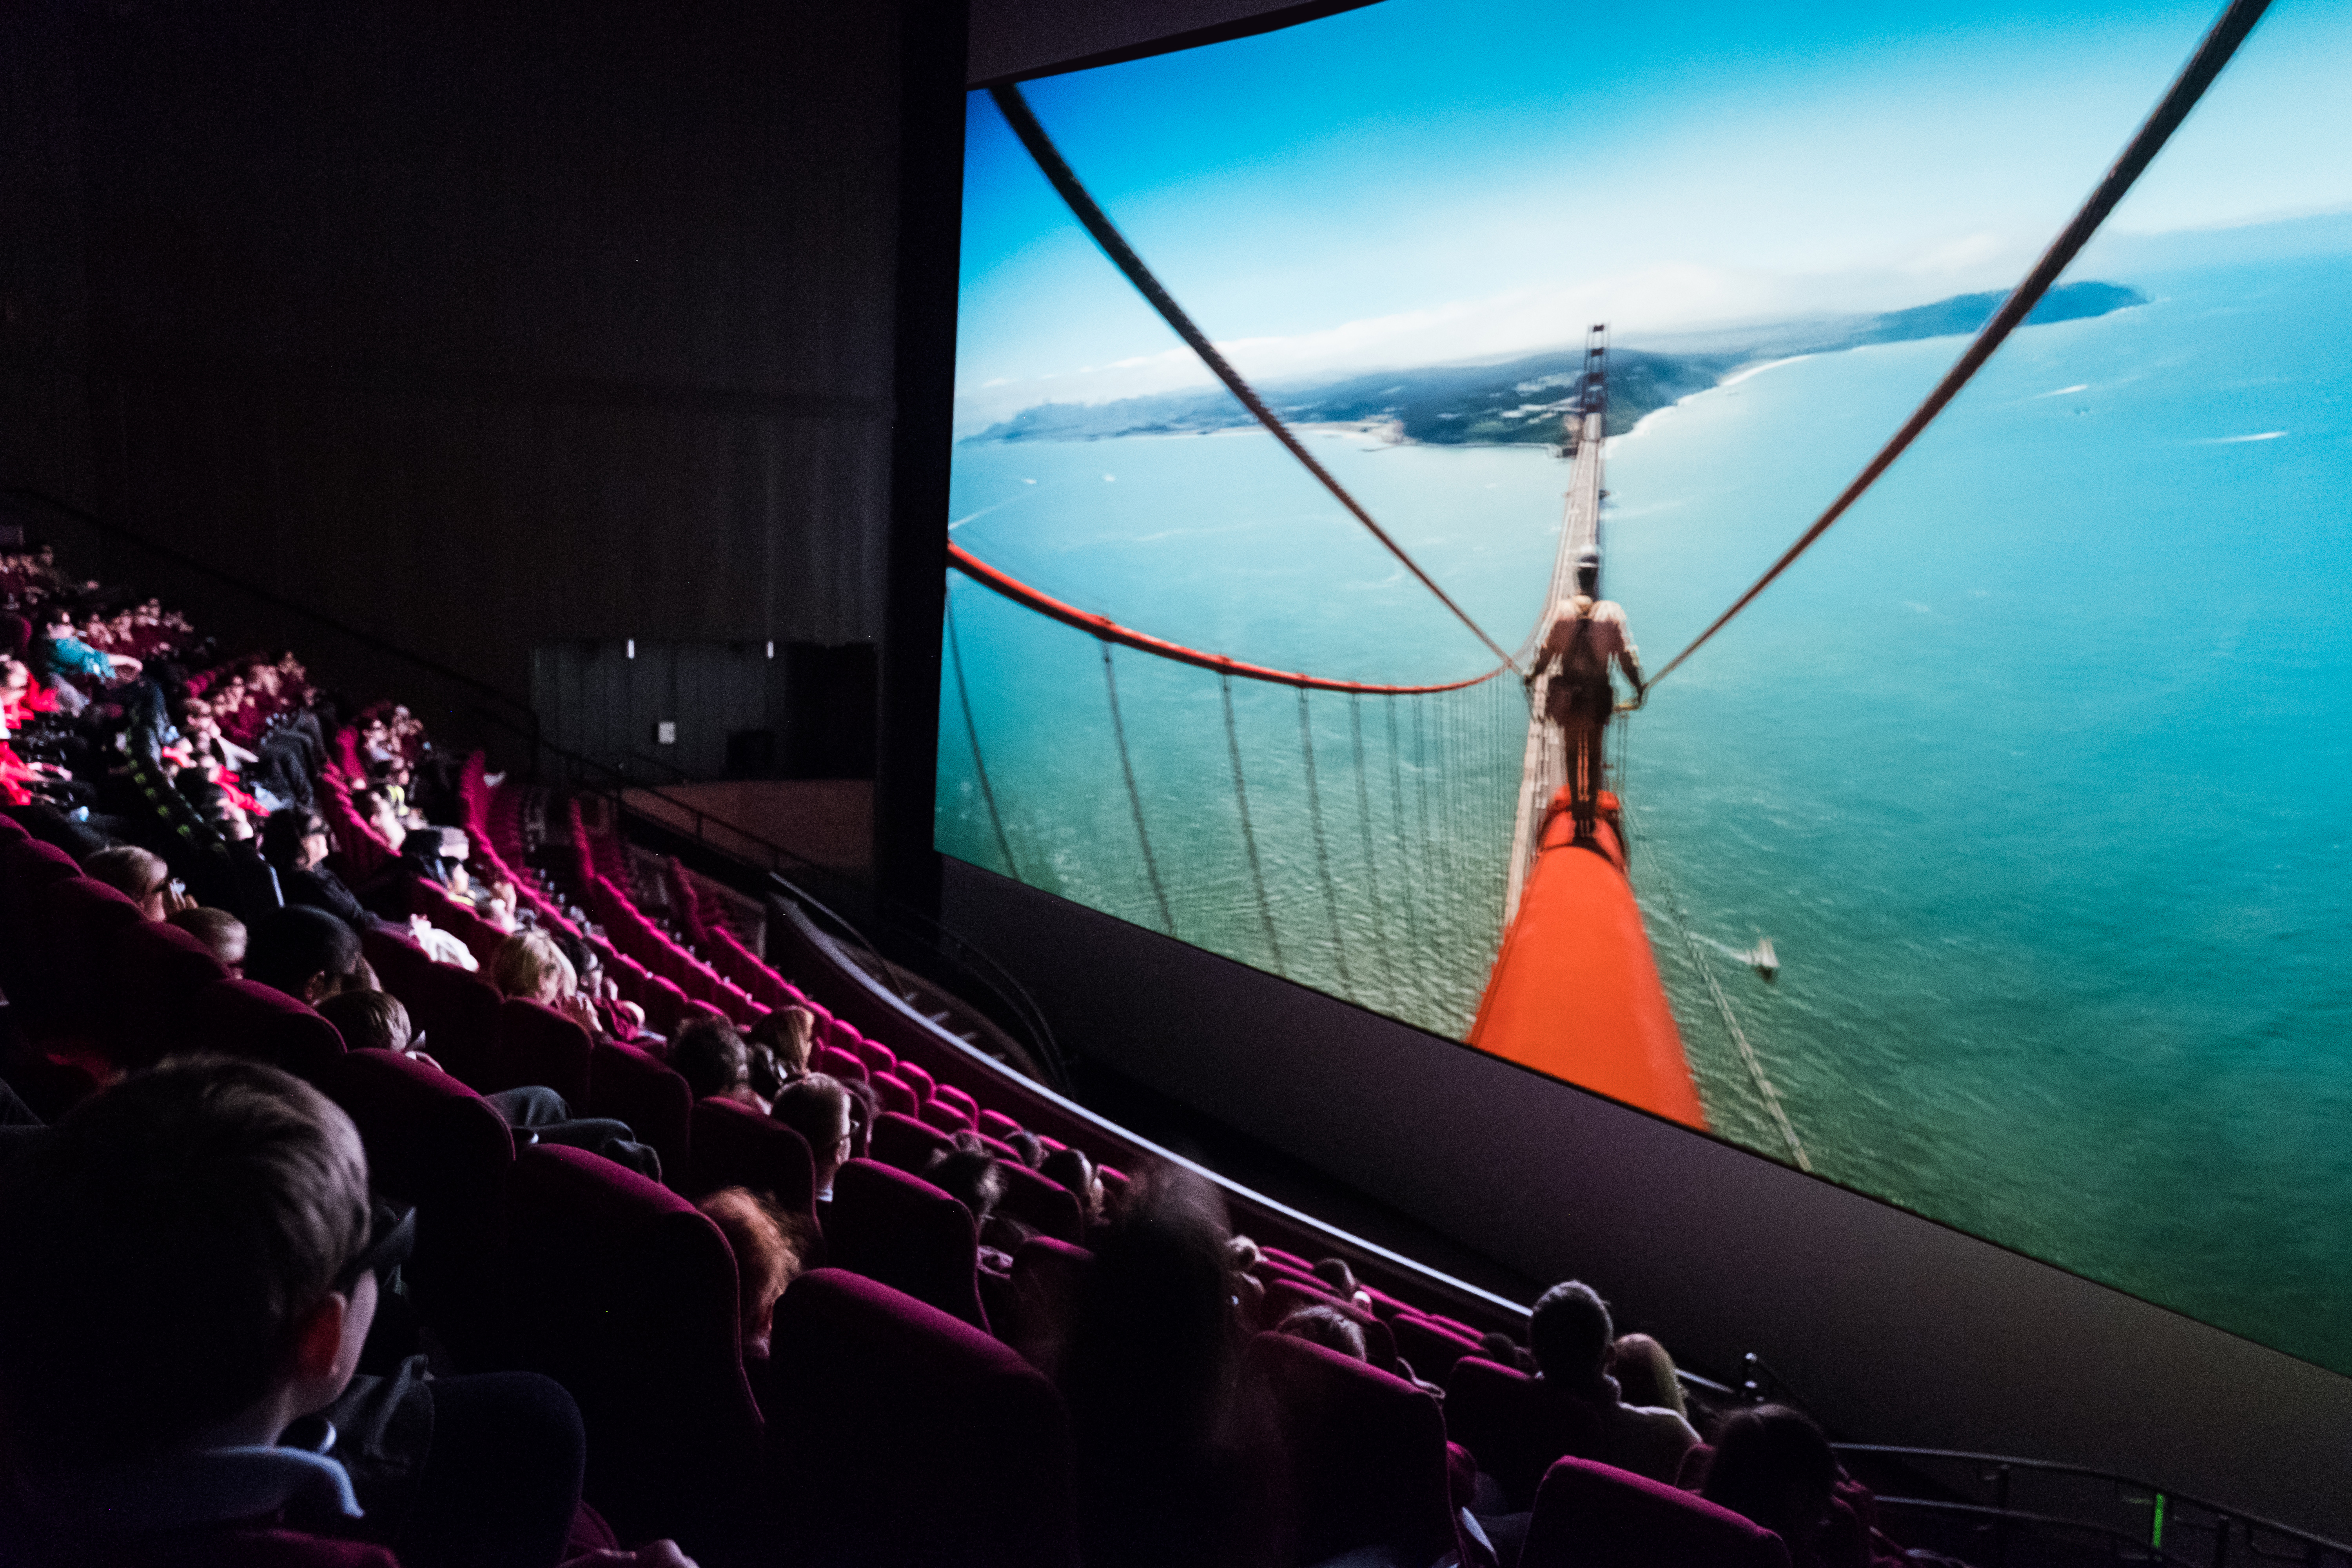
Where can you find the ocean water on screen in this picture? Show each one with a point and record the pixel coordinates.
(2035, 770)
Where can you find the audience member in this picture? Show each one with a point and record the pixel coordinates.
(371, 1021)
(530, 965)
(766, 1259)
(193, 1273)
(1773, 1467)
(1148, 1375)
(306, 953)
(816, 1106)
(1335, 1272)
(1646, 1374)
(1570, 1334)
(790, 1034)
(1074, 1171)
(294, 842)
(1504, 1350)
(141, 876)
(711, 1057)
(1326, 1326)
(1027, 1144)
(863, 1106)
(1243, 1253)
(219, 931)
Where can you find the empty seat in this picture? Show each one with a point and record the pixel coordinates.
(947, 1118)
(959, 1099)
(898, 1228)
(1591, 1515)
(1432, 1351)
(996, 1124)
(732, 1145)
(914, 1439)
(540, 1046)
(1043, 1205)
(906, 1142)
(1515, 1425)
(246, 1018)
(627, 1085)
(76, 920)
(619, 1289)
(892, 1093)
(434, 1143)
(837, 1063)
(878, 1057)
(1361, 1456)
(916, 1078)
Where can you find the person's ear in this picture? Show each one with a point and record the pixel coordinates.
(320, 986)
(326, 1346)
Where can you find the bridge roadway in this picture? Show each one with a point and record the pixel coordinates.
(1544, 768)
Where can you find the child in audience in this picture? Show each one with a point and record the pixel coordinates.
(789, 1034)
(1335, 1272)
(306, 954)
(1326, 1326)
(530, 965)
(711, 1057)
(1570, 1334)
(1646, 1374)
(766, 1261)
(141, 876)
(816, 1106)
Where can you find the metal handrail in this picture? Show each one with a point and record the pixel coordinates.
(2164, 1496)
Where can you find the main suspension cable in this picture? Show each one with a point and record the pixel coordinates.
(1097, 223)
(2214, 54)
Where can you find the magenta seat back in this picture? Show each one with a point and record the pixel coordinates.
(1514, 1426)
(878, 1057)
(732, 1145)
(1432, 1351)
(1362, 1454)
(78, 921)
(959, 1099)
(947, 1118)
(458, 1012)
(834, 1062)
(906, 1142)
(1284, 1296)
(617, 1288)
(1590, 1515)
(898, 1228)
(996, 1124)
(434, 1143)
(917, 1079)
(538, 1045)
(1043, 1205)
(915, 1439)
(154, 973)
(627, 1084)
(892, 1093)
(246, 1018)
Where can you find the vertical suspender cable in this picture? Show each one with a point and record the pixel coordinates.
(1364, 832)
(1134, 799)
(1413, 878)
(1249, 834)
(979, 766)
(1322, 849)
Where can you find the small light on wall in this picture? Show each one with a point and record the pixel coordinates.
(771, 647)
(632, 647)
(664, 731)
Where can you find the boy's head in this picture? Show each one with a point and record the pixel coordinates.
(218, 929)
(711, 1055)
(306, 954)
(177, 1250)
(369, 1020)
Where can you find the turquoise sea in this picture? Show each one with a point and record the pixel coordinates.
(2037, 770)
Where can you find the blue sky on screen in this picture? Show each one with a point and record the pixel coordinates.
(1433, 181)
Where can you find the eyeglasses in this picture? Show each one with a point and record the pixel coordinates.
(390, 1242)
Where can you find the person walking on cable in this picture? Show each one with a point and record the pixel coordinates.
(1587, 634)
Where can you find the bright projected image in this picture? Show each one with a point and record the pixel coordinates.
(1993, 862)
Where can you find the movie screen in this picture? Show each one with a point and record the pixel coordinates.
(1992, 861)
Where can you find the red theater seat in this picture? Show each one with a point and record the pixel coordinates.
(1362, 1455)
(621, 1291)
(878, 1057)
(837, 1063)
(892, 1093)
(917, 1079)
(1044, 1205)
(898, 1228)
(733, 1145)
(996, 1124)
(1515, 1425)
(947, 1118)
(153, 974)
(434, 1143)
(905, 1142)
(1284, 1296)
(458, 1011)
(914, 1439)
(540, 1046)
(626, 1084)
(1432, 1351)
(246, 1018)
(1590, 1515)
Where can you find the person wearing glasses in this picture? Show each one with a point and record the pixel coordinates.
(817, 1108)
(194, 1262)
